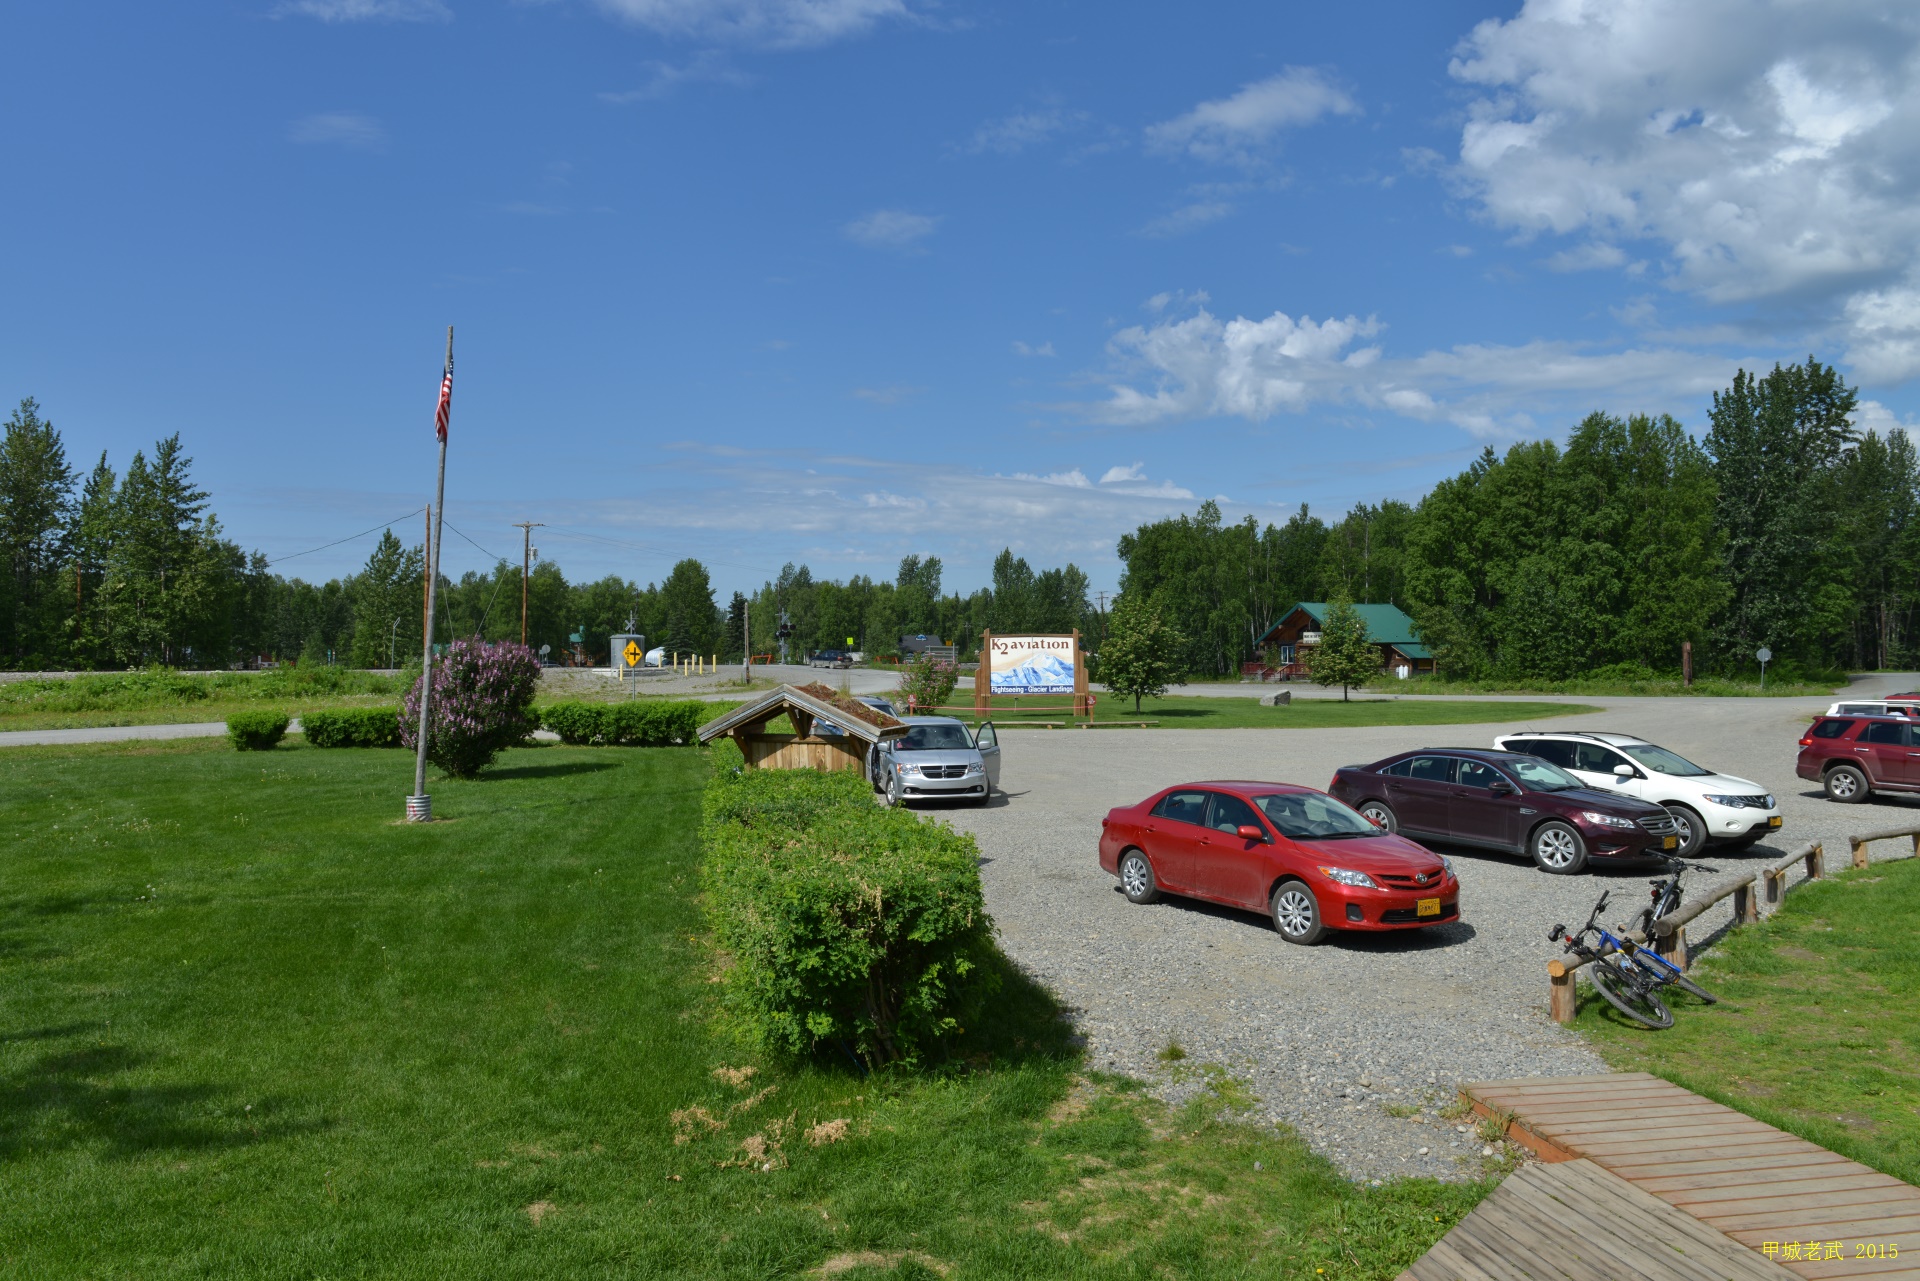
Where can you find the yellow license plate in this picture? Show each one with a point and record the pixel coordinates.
(1774, 821)
(1426, 907)
(1671, 843)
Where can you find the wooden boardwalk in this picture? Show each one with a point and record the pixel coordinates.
(1575, 1222)
(1755, 1184)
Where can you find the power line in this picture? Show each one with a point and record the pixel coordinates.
(350, 537)
(484, 551)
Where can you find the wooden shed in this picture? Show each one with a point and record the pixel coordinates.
(833, 731)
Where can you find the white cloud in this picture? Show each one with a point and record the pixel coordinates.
(1118, 475)
(1198, 366)
(1014, 133)
(890, 229)
(1237, 129)
(780, 23)
(1201, 367)
(706, 67)
(1187, 218)
(1871, 415)
(368, 10)
(1769, 149)
(1075, 479)
(1594, 255)
(339, 129)
(1025, 349)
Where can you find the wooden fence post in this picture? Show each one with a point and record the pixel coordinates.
(1916, 843)
(1776, 886)
(1816, 862)
(1745, 909)
(1859, 851)
(1560, 1004)
(1674, 947)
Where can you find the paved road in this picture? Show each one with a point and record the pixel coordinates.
(110, 734)
(1330, 1036)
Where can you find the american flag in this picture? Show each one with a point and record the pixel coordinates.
(445, 409)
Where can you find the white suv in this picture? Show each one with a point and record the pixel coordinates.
(1705, 806)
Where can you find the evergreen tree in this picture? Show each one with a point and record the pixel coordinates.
(386, 604)
(1778, 444)
(690, 621)
(1344, 657)
(36, 499)
(95, 524)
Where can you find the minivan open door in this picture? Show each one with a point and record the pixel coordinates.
(987, 739)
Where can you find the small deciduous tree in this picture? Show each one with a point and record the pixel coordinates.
(482, 703)
(926, 684)
(1141, 654)
(1344, 656)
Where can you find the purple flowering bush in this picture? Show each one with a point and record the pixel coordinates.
(482, 702)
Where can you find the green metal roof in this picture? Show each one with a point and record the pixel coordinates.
(1386, 625)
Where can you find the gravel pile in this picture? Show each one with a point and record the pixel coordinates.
(1357, 1042)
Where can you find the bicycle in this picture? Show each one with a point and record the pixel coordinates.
(1630, 976)
(1667, 894)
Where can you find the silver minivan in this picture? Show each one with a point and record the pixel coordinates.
(938, 758)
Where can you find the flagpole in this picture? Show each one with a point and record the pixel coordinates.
(419, 805)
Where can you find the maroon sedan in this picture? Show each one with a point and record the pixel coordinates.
(1297, 854)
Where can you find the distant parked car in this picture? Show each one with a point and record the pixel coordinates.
(1892, 705)
(1705, 806)
(1854, 757)
(1300, 856)
(830, 658)
(1506, 801)
(939, 758)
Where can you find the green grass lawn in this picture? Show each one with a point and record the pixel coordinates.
(162, 697)
(1203, 712)
(1636, 687)
(251, 1026)
(1816, 1030)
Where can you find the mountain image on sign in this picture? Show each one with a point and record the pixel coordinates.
(1035, 674)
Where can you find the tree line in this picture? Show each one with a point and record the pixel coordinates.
(1783, 526)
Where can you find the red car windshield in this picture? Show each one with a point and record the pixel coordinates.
(1309, 816)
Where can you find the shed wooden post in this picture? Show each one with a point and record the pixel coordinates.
(1560, 1005)
(1080, 707)
(983, 678)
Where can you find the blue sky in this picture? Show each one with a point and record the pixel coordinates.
(838, 280)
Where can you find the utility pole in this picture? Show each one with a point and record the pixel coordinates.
(526, 528)
(746, 640)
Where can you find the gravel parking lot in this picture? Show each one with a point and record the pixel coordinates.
(1338, 1039)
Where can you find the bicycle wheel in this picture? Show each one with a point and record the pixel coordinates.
(1631, 994)
(1660, 970)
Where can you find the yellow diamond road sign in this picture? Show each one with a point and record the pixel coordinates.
(632, 654)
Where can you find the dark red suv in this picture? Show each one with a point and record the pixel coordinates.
(1507, 801)
(1855, 756)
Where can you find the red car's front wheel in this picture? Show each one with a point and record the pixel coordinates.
(1296, 913)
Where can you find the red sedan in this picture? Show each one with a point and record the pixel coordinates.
(1299, 855)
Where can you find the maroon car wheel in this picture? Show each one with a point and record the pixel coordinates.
(1846, 784)
(1380, 814)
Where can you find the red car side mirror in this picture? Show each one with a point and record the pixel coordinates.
(1248, 832)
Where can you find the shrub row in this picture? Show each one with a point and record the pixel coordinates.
(627, 724)
(256, 731)
(353, 727)
(849, 927)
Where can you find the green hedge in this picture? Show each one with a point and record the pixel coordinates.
(353, 727)
(256, 731)
(633, 724)
(849, 927)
